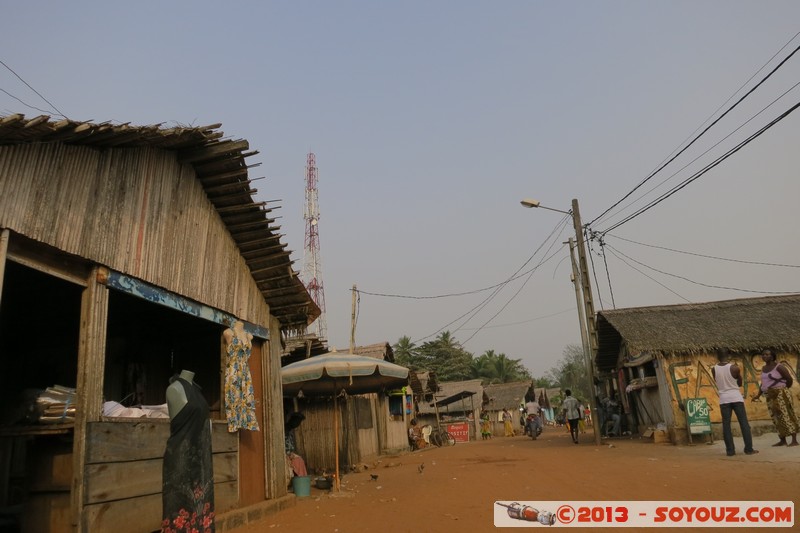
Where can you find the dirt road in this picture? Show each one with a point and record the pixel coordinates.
(456, 488)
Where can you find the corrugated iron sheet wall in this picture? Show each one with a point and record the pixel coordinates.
(135, 210)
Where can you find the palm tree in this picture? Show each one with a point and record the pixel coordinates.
(498, 368)
(406, 353)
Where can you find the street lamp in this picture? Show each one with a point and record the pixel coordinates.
(590, 347)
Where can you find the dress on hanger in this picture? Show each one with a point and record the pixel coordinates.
(240, 404)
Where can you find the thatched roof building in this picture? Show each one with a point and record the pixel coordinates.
(741, 325)
(508, 395)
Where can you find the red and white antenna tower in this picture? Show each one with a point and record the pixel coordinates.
(312, 265)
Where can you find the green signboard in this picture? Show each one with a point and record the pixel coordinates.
(697, 416)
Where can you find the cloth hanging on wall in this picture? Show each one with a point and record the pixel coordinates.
(240, 404)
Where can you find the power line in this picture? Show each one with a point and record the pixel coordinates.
(25, 103)
(763, 263)
(699, 282)
(557, 232)
(526, 321)
(512, 297)
(559, 227)
(671, 159)
(34, 90)
(608, 274)
(684, 167)
(704, 170)
(648, 277)
(476, 291)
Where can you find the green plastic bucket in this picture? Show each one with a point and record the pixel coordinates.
(301, 485)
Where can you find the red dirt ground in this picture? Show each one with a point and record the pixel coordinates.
(458, 486)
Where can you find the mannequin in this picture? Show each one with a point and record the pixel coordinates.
(187, 471)
(176, 394)
(237, 330)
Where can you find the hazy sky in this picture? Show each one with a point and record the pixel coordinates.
(430, 121)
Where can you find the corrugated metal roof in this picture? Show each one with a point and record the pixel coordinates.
(220, 167)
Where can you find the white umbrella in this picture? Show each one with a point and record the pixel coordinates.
(331, 373)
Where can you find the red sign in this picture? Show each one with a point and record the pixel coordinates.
(459, 431)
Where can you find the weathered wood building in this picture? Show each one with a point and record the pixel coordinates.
(125, 252)
(657, 357)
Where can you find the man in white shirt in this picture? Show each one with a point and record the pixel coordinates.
(571, 409)
(729, 378)
(533, 408)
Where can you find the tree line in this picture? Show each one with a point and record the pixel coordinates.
(445, 356)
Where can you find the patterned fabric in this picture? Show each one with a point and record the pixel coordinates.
(188, 475)
(240, 404)
(782, 411)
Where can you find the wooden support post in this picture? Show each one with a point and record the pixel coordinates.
(89, 394)
(4, 236)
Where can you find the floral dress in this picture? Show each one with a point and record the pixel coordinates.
(240, 404)
(188, 474)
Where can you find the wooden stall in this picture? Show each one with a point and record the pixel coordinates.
(125, 252)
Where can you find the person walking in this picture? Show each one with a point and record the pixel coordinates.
(507, 423)
(571, 409)
(486, 426)
(728, 377)
(776, 381)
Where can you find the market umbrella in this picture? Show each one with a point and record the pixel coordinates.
(332, 373)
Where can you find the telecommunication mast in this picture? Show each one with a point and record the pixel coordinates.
(312, 265)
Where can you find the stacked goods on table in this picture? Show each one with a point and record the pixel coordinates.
(56, 405)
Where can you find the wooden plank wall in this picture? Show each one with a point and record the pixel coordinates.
(122, 475)
(135, 210)
(274, 449)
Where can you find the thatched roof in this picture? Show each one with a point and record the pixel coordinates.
(381, 350)
(742, 325)
(220, 167)
(422, 384)
(299, 348)
(452, 388)
(507, 395)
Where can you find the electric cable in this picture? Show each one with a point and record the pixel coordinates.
(762, 263)
(486, 302)
(649, 277)
(571, 309)
(608, 274)
(34, 90)
(560, 225)
(699, 282)
(513, 277)
(702, 172)
(731, 108)
(24, 103)
(687, 165)
(594, 272)
(513, 297)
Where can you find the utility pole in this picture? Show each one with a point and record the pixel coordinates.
(353, 323)
(588, 304)
(578, 300)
